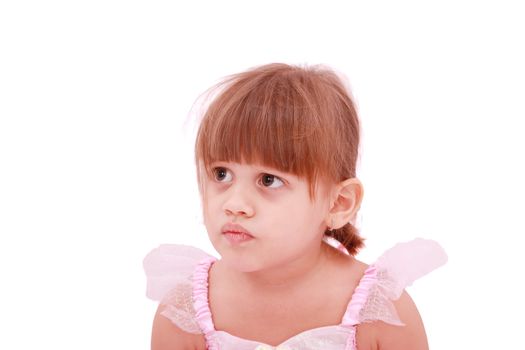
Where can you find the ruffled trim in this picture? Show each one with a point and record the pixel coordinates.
(168, 266)
(408, 261)
(200, 296)
(385, 281)
(360, 297)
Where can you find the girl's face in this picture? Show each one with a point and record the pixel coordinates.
(258, 217)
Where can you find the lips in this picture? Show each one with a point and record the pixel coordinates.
(231, 228)
(236, 235)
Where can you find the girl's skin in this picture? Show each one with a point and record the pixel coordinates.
(285, 280)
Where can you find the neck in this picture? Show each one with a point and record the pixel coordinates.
(295, 274)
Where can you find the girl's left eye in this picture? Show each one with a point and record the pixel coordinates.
(272, 181)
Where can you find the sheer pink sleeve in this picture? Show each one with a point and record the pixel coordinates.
(385, 280)
(169, 270)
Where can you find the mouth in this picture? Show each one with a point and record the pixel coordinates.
(236, 234)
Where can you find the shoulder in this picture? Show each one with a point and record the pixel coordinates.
(343, 266)
(381, 335)
(166, 335)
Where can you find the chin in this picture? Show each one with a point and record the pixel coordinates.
(241, 262)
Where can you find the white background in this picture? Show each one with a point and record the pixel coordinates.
(96, 139)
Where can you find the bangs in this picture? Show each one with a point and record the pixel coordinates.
(275, 116)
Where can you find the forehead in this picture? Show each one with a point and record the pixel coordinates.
(264, 128)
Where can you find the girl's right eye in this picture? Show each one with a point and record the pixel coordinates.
(221, 174)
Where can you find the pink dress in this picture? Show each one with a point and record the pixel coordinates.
(178, 277)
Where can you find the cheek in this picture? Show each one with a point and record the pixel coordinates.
(316, 217)
(302, 218)
(208, 211)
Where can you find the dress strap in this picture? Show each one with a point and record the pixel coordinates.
(200, 295)
(360, 297)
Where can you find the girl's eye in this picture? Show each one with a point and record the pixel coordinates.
(222, 174)
(271, 181)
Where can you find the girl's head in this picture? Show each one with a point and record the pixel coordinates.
(300, 121)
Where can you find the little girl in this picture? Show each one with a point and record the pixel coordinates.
(276, 156)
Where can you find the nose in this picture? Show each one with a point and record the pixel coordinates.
(238, 203)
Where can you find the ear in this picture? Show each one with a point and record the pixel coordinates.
(346, 201)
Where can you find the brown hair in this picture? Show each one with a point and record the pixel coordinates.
(300, 120)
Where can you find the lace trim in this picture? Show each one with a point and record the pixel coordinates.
(323, 338)
(386, 280)
(378, 305)
(179, 308)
